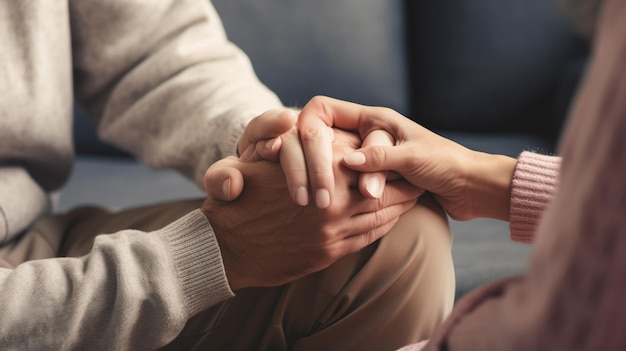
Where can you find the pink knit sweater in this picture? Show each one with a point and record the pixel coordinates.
(572, 295)
(534, 182)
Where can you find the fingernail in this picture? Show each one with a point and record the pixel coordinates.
(322, 198)
(302, 196)
(354, 158)
(226, 189)
(271, 144)
(372, 185)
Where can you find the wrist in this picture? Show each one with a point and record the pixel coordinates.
(210, 210)
(490, 183)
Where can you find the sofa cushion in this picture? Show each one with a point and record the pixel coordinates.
(121, 182)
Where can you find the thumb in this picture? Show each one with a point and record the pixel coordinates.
(377, 158)
(372, 184)
(268, 125)
(223, 181)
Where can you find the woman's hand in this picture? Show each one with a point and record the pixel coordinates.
(467, 183)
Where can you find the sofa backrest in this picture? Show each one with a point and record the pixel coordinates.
(492, 65)
(479, 65)
(349, 49)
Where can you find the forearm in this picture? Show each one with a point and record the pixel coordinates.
(132, 283)
(163, 80)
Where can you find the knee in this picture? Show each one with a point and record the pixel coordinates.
(393, 293)
(419, 247)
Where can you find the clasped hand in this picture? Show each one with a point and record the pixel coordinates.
(321, 149)
(265, 238)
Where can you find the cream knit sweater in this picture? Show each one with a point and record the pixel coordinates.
(164, 83)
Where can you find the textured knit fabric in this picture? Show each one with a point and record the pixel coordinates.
(164, 83)
(159, 76)
(572, 296)
(534, 182)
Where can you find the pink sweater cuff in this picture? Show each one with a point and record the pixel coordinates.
(534, 181)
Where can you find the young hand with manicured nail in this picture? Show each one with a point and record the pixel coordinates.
(467, 183)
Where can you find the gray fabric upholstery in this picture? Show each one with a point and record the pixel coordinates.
(120, 182)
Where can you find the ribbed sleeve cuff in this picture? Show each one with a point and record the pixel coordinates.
(534, 182)
(198, 261)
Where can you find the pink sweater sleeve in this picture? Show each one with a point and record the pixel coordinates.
(534, 182)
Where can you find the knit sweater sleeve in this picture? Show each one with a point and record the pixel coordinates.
(534, 182)
(163, 81)
(133, 291)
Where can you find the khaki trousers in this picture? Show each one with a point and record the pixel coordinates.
(390, 294)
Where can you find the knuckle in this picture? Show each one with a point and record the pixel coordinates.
(380, 218)
(318, 172)
(328, 232)
(387, 111)
(377, 156)
(313, 134)
(318, 101)
(319, 106)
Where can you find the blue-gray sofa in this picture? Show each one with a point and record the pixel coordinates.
(494, 75)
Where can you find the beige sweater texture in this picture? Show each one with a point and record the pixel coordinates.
(164, 83)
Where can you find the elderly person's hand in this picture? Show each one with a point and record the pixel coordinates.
(267, 240)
